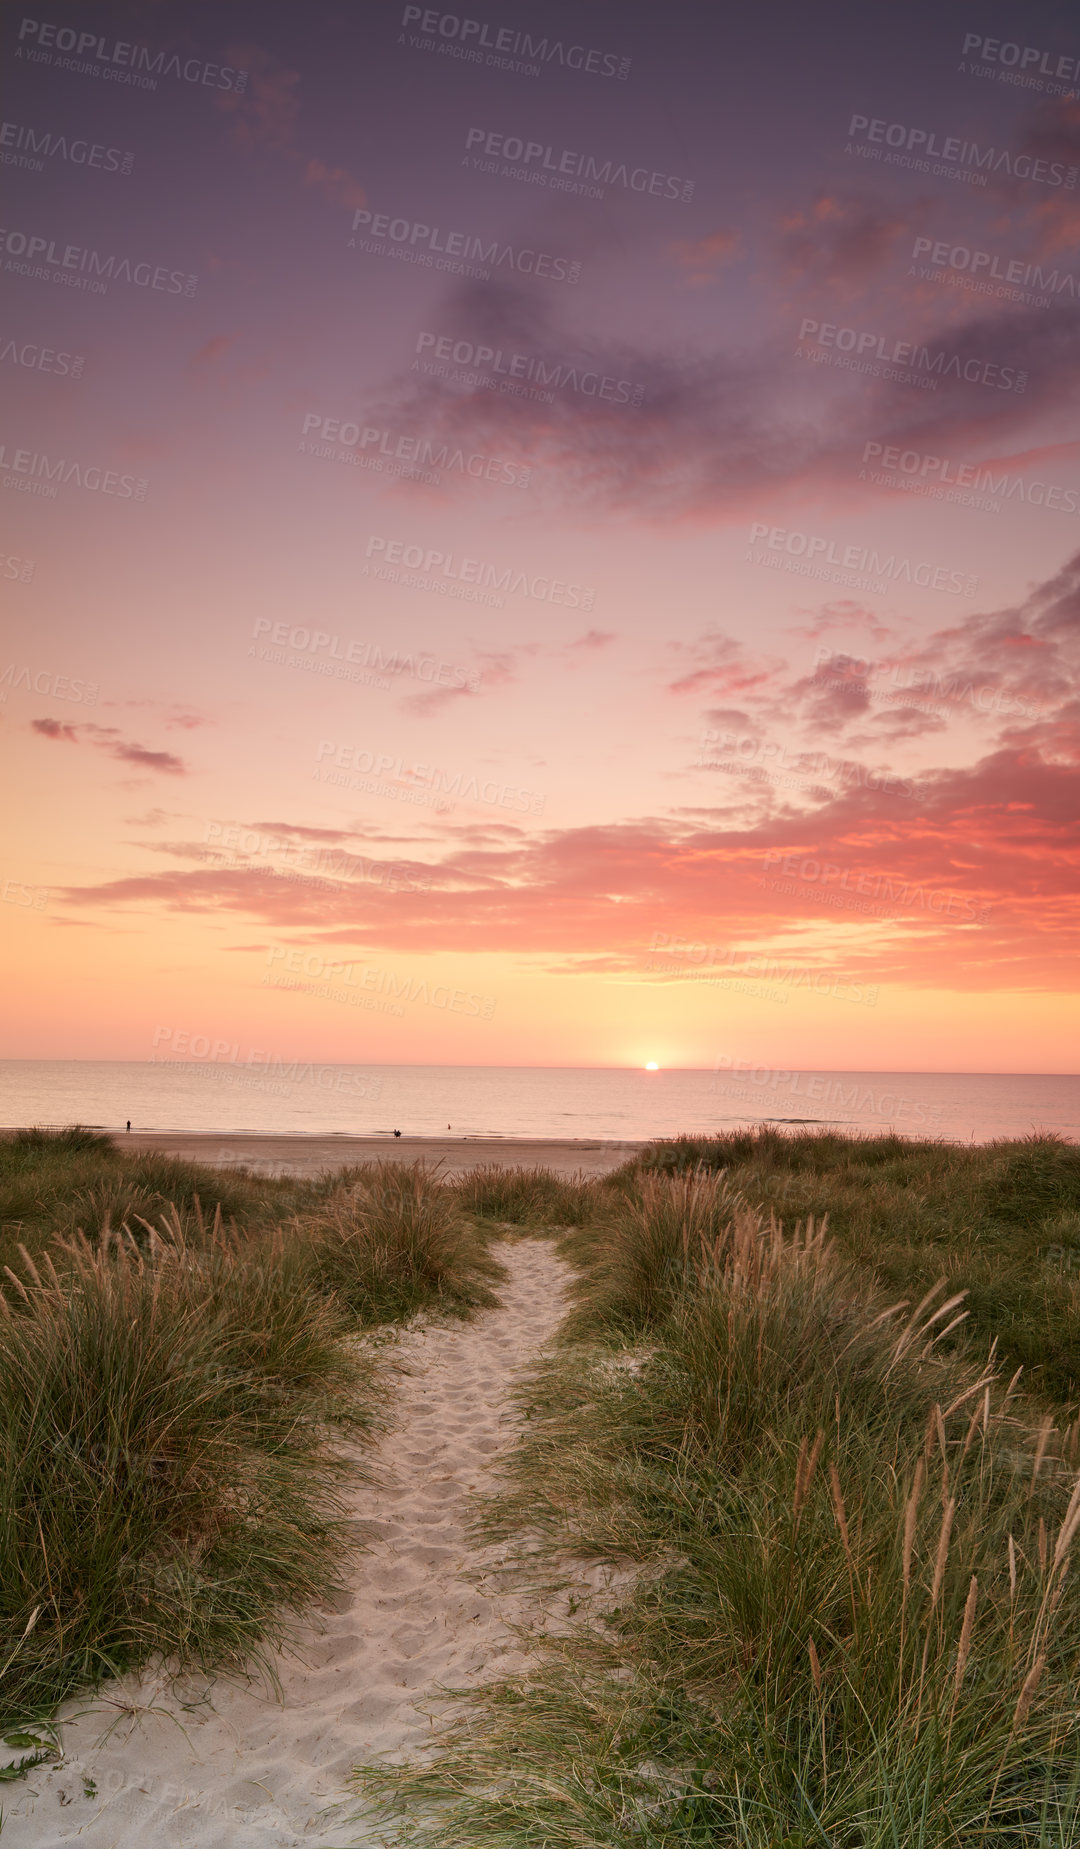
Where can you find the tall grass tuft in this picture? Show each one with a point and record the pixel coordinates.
(169, 1479)
(854, 1623)
(392, 1240)
(525, 1196)
(1001, 1220)
(637, 1253)
(78, 1180)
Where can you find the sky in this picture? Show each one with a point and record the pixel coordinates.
(541, 534)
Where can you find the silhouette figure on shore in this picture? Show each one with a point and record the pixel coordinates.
(397, 1132)
(129, 1123)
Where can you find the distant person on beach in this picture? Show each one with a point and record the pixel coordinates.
(129, 1123)
(397, 1132)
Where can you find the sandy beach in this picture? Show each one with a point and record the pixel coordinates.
(225, 1765)
(311, 1155)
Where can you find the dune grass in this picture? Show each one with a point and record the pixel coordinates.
(175, 1389)
(999, 1220)
(169, 1476)
(76, 1179)
(852, 1620)
(533, 1197)
(387, 1239)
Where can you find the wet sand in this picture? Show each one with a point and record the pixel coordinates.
(311, 1155)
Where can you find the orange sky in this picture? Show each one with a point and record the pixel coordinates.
(653, 639)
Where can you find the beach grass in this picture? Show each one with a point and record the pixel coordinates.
(177, 1386)
(77, 1179)
(849, 1617)
(387, 1239)
(844, 1522)
(533, 1197)
(1000, 1220)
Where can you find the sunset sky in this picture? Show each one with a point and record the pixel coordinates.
(545, 534)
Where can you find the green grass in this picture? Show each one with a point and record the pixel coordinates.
(178, 1368)
(850, 1619)
(76, 1180)
(999, 1220)
(802, 1479)
(385, 1240)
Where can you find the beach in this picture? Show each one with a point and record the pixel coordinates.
(312, 1155)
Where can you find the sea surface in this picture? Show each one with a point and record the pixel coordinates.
(615, 1103)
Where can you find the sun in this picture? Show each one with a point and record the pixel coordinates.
(651, 1066)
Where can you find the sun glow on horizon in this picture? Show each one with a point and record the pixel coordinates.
(651, 1066)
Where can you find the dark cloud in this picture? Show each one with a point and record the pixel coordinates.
(722, 435)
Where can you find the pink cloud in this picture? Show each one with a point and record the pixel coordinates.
(107, 738)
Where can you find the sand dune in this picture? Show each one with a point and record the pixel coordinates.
(227, 1766)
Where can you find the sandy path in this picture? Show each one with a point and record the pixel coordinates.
(250, 1773)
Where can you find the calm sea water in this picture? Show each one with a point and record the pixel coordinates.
(535, 1101)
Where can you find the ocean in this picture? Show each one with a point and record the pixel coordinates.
(620, 1104)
